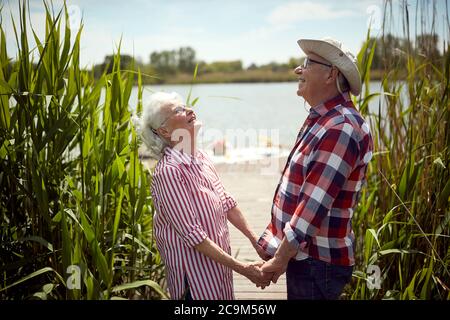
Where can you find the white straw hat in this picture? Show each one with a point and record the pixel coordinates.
(333, 51)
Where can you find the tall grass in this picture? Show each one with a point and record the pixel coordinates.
(402, 224)
(72, 189)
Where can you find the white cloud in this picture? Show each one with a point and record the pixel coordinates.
(293, 12)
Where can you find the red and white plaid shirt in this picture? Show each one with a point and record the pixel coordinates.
(320, 186)
(191, 204)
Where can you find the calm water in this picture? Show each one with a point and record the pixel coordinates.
(252, 112)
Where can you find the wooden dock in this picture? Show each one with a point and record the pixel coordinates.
(253, 192)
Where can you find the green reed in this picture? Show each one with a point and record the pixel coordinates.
(72, 189)
(402, 223)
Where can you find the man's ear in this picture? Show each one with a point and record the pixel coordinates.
(332, 76)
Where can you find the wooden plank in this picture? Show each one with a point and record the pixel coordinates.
(253, 193)
(250, 295)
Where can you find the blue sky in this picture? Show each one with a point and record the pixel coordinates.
(258, 31)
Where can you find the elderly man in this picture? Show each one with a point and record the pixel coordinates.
(310, 235)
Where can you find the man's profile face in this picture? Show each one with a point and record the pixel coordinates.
(312, 77)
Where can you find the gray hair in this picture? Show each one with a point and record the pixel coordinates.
(152, 118)
(342, 83)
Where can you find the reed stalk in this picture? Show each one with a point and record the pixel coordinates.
(73, 193)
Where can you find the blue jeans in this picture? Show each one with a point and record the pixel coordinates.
(312, 279)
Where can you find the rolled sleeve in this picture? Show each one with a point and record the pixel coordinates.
(291, 236)
(228, 202)
(195, 237)
(268, 242)
(177, 206)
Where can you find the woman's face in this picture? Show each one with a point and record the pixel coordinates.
(179, 122)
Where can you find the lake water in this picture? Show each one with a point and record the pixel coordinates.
(250, 117)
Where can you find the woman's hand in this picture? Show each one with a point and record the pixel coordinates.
(253, 272)
(275, 267)
(278, 264)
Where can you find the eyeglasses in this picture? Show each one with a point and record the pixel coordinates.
(176, 111)
(308, 61)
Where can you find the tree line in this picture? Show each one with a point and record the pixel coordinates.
(169, 63)
(166, 64)
(391, 50)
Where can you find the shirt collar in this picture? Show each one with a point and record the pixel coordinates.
(182, 157)
(323, 108)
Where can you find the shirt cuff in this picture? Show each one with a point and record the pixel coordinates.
(269, 243)
(195, 237)
(291, 236)
(229, 203)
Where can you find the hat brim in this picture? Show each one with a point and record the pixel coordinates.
(337, 57)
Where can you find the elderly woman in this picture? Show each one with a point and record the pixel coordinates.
(192, 207)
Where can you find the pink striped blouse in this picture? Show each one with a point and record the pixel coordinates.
(191, 204)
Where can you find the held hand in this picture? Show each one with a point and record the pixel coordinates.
(257, 263)
(267, 277)
(275, 267)
(253, 272)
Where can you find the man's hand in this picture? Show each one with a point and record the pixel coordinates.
(275, 267)
(253, 272)
(278, 264)
(266, 276)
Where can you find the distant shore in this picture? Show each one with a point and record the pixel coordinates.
(247, 76)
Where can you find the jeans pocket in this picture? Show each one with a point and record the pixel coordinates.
(299, 281)
(338, 277)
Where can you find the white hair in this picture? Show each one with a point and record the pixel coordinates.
(152, 118)
(342, 83)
